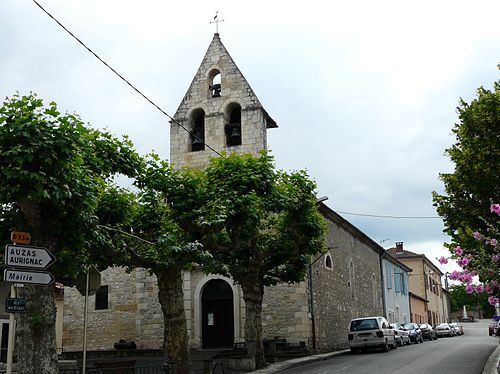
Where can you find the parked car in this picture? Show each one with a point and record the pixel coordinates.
(444, 329)
(370, 332)
(455, 326)
(492, 326)
(402, 337)
(428, 332)
(414, 332)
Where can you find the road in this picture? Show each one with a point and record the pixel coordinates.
(466, 354)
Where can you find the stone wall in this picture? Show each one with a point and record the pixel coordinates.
(133, 313)
(351, 288)
(285, 312)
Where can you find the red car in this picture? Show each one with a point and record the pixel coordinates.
(491, 328)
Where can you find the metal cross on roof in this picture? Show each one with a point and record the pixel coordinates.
(216, 21)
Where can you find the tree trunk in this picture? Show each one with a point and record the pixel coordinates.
(36, 328)
(35, 331)
(252, 294)
(175, 338)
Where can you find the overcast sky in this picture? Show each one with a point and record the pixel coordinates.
(364, 92)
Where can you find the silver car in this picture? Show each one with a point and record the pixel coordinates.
(370, 332)
(444, 329)
(402, 337)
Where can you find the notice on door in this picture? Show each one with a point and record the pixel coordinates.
(210, 319)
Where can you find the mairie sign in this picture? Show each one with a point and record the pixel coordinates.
(32, 277)
(26, 256)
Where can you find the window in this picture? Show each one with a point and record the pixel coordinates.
(214, 83)
(101, 298)
(388, 273)
(198, 130)
(328, 262)
(404, 280)
(397, 280)
(233, 128)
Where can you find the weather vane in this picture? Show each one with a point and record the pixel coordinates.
(216, 21)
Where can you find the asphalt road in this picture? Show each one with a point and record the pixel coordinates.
(466, 354)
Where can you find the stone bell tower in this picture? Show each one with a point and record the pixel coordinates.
(219, 113)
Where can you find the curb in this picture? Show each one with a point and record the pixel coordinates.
(281, 366)
(493, 364)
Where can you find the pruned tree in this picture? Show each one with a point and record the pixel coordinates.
(261, 225)
(474, 186)
(145, 235)
(53, 170)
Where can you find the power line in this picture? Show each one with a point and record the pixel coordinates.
(393, 217)
(125, 80)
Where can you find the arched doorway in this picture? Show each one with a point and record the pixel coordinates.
(217, 315)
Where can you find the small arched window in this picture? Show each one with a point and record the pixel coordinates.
(233, 128)
(214, 83)
(197, 136)
(328, 262)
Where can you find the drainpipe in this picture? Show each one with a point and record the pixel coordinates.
(382, 256)
(311, 304)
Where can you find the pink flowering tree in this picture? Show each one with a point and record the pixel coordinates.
(469, 205)
(481, 259)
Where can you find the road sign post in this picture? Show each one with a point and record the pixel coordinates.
(20, 259)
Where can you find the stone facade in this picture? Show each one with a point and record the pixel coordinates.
(125, 318)
(350, 287)
(234, 91)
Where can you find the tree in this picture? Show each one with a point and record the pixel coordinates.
(459, 297)
(261, 225)
(53, 170)
(474, 186)
(144, 235)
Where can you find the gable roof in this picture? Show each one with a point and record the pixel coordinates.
(237, 87)
(349, 227)
(402, 254)
(395, 261)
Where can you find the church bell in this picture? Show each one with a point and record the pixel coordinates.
(235, 133)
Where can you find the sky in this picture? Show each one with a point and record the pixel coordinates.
(364, 92)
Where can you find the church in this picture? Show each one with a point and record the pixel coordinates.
(220, 112)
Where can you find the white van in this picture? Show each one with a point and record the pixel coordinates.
(371, 332)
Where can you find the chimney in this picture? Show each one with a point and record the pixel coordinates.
(399, 248)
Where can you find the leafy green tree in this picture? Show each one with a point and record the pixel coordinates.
(144, 235)
(474, 186)
(459, 297)
(53, 170)
(261, 225)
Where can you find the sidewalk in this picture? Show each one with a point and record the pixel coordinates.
(493, 364)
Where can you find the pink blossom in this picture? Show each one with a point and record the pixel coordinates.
(469, 288)
(494, 242)
(465, 277)
(458, 250)
(492, 300)
(488, 289)
(464, 261)
(476, 235)
(479, 288)
(495, 208)
(495, 258)
(443, 260)
(455, 275)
